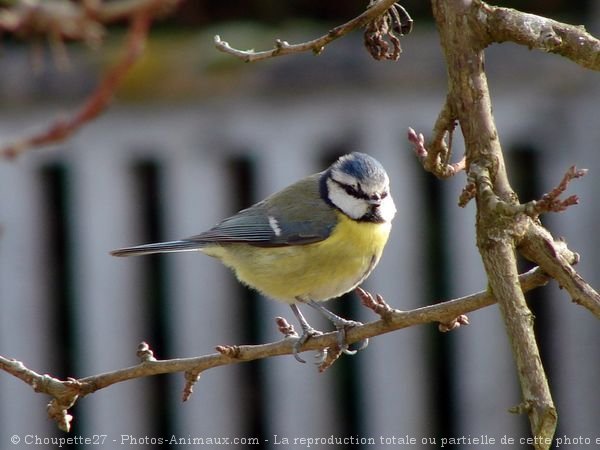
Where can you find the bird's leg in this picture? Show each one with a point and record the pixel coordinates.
(340, 325)
(307, 332)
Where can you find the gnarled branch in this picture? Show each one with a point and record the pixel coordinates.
(571, 41)
(466, 27)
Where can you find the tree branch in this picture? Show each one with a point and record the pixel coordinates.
(65, 393)
(538, 246)
(535, 242)
(570, 41)
(501, 221)
(316, 45)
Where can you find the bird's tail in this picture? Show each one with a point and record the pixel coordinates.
(159, 247)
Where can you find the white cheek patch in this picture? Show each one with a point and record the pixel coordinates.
(387, 209)
(274, 226)
(349, 205)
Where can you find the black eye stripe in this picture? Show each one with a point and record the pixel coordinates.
(351, 190)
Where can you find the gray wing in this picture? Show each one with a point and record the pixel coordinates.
(260, 229)
(295, 216)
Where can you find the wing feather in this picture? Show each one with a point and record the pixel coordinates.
(297, 215)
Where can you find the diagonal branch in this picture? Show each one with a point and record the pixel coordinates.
(538, 246)
(506, 24)
(79, 21)
(83, 21)
(315, 45)
(65, 393)
(61, 129)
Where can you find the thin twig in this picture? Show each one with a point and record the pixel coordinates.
(435, 159)
(316, 45)
(97, 101)
(550, 202)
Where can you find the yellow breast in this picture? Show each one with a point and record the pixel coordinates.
(318, 271)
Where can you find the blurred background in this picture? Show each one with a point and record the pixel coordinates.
(195, 135)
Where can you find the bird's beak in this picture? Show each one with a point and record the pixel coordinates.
(374, 201)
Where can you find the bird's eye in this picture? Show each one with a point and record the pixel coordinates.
(351, 190)
(383, 195)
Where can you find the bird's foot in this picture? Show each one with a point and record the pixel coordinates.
(307, 333)
(341, 325)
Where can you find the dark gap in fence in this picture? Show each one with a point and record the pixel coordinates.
(441, 355)
(58, 261)
(249, 316)
(148, 179)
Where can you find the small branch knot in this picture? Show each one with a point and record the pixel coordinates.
(549, 40)
(455, 323)
(231, 351)
(377, 304)
(191, 378)
(145, 353)
(285, 327)
(59, 413)
(58, 407)
(522, 408)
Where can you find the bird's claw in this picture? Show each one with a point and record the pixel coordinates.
(341, 338)
(340, 325)
(307, 333)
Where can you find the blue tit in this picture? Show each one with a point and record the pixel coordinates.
(315, 240)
